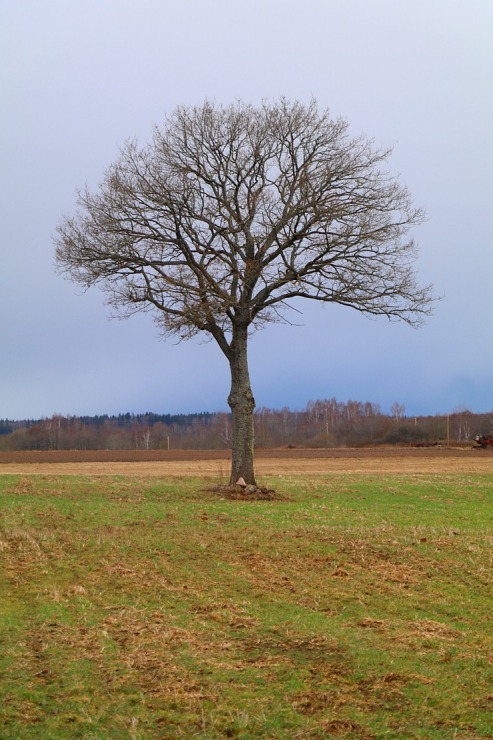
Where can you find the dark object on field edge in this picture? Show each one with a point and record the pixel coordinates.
(484, 441)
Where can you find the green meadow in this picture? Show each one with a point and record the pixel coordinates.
(350, 606)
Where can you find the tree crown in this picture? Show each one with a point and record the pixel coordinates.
(231, 212)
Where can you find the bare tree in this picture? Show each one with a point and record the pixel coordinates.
(398, 410)
(232, 212)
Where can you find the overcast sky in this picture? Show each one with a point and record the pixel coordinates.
(79, 77)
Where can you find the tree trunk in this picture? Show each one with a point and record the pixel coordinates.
(242, 404)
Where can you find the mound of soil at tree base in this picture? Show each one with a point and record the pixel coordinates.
(248, 493)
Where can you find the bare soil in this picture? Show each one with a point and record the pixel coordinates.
(215, 463)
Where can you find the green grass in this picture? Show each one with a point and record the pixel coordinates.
(358, 606)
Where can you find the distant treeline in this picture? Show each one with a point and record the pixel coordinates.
(323, 423)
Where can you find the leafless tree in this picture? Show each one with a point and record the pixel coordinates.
(232, 212)
(398, 410)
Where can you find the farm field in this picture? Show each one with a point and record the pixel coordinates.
(137, 602)
(216, 463)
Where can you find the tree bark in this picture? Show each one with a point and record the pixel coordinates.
(242, 404)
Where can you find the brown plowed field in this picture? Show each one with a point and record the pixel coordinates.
(215, 463)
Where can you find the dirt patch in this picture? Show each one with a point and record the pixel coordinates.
(274, 462)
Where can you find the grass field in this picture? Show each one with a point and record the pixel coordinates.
(356, 605)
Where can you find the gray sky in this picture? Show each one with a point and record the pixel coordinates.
(78, 77)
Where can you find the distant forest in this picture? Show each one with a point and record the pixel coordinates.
(323, 423)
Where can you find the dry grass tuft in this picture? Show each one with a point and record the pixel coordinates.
(346, 728)
(428, 628)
